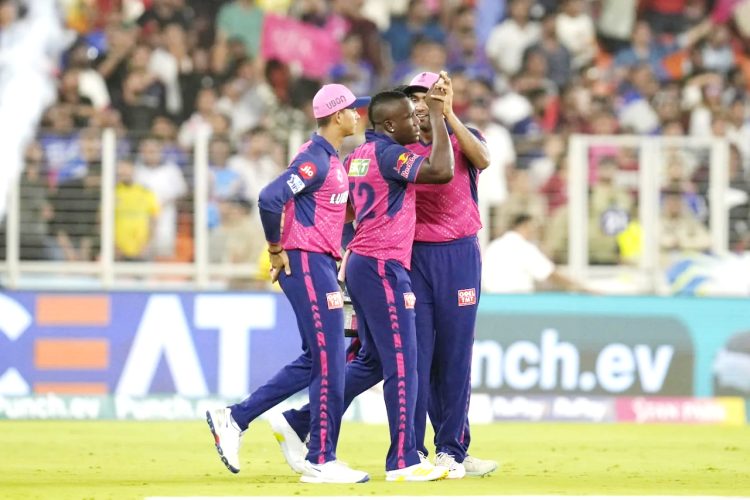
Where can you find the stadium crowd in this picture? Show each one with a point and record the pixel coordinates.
(527, 73)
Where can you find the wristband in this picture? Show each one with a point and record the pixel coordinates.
(275, 253)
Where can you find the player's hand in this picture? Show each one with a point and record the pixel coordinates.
(279, 263)
(446, 87)
(435, 98)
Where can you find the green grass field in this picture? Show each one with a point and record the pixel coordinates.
(133, 460)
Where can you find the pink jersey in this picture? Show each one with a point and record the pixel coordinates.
(447, 212)
(312, 194)
(382, 191)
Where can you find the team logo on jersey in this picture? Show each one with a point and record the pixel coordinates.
(295, 183)
(405, 163)
(308, 170)
(467, 297)
(359, 167)
(335, 300)
(409, 300)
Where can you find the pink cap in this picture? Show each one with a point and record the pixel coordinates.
(335, 97)
(422, 82)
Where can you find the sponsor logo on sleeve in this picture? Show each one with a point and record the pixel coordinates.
(335, 300)
(359, 167)
(409, 300)
(467, 297)
(295, 183)
(308, 170)
(405, 163)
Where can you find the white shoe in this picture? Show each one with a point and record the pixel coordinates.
(331, 472)
(292, 447)
(455, 469)
(417, 472)
(478, 467)
(423, 459)
(227, 436)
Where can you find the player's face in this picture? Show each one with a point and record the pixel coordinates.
(421, 109)
(405, 123)
(348, 120)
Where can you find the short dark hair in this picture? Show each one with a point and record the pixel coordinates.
(324, 121)
(520, 220)
(380, 100)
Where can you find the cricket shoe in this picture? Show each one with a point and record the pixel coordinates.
(417, 472)
(331, 472)
(476, 467)
(292, 447)
(227, 436)
(423, 459)
(455, 469)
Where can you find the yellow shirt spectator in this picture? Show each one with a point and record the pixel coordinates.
(136, 209)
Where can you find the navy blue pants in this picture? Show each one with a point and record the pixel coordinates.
(314, 293)
(446, 278)
(439, 272)
(384, 303)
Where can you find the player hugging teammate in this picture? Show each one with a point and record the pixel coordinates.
(413, 272)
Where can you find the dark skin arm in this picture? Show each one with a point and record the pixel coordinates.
(438, 169)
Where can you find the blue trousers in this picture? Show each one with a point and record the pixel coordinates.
(447, 280)
(384, 303)
(439, 272)
(321, 366)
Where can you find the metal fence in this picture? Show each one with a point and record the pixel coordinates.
(603, 219)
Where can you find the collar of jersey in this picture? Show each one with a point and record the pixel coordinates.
(323, 143)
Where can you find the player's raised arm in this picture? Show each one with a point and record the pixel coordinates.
(472, 144)
(439, 168)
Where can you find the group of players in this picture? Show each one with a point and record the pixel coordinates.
(412, 269)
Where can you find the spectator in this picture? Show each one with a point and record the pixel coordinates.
(69, 96)
(225, 183)
(167, 182)
(493, 183)
(91, 85)
(75, 224)
(509, 39)
(372, 47)
(239, 239)
(164, 129)
(240, 19)
(205, 109)
(353, 71)
(679, 230)
(718, 55)
(136, 212)
(35, 208)
(610, 211)
(168, 62)
(418, 23)
(465, 54)
(575, 30)
(162, 13)
(255, 163)
(522, 199)
(615, 24)
(514, 264)
(558, 57)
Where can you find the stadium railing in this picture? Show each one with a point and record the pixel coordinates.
(641, 271)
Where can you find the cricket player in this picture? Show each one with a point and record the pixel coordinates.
(446, 271)
(311, 196)
(382, 179)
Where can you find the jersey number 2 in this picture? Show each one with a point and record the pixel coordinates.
(368, 192)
